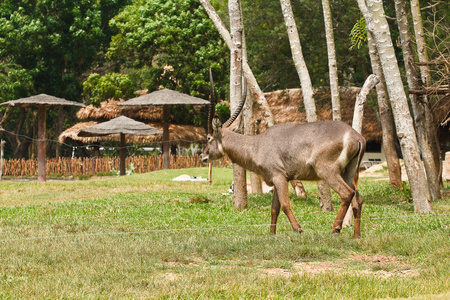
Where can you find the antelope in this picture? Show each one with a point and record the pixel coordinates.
(326, 150)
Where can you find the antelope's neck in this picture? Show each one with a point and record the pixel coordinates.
(239, 148)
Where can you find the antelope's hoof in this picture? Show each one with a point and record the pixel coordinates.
(298, 230)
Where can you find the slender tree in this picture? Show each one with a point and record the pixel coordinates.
(431, 130)
(376, 23)
(307, 90)
(236, 58)
(418, 106)
(386, 118)
(257, 92)
(332, 64)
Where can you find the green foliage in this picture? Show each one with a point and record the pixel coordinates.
(358, 34)
(112, 85)
(15, 82)
(223, 110)
(55, 42)
(175, 41)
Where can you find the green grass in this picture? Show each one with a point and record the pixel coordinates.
(145, 236)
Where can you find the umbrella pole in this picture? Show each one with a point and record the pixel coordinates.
(166, 150)
(42, 176)
(123, 151)
(210, 173)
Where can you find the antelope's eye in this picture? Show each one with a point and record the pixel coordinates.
(208, 139)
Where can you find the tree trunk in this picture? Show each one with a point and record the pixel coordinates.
(249, 129)
(236, 31)
(305, 82)
(361, 98)
(431, 130)
(299, 61)
(386, 119)
(251, 80)
(417, 105)
(332, 65)
(376, 23)
(358, 114)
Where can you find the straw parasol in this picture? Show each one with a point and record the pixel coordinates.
(165, 98)
(122, 126)
(182, 135)
(42, 101)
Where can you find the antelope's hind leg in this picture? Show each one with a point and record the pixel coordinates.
(357, 208)
(346, 192)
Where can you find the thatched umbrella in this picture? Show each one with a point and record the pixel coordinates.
(179, 135)
(121, 125)
(41, 101)
(165, 98)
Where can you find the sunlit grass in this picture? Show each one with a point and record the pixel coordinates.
(145, 236)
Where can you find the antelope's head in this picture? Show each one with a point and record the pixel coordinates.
(214, 148)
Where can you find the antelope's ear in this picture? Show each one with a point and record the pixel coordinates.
(216, 125)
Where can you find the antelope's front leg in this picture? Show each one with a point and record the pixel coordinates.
(282, 192)
(274, 212)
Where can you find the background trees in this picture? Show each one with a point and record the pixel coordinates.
(53, 47)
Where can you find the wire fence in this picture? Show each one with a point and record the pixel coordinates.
(408, 217)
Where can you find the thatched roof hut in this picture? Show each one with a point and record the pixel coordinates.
(287, 106)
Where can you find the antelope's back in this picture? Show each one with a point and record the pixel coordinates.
(324, 142)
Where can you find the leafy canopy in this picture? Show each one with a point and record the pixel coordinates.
(174, 43)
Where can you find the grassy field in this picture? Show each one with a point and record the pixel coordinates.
(145, 236)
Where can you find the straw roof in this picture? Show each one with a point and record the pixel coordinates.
(119, 125)
(287, 106)
(165, 97)
(41, 99)
(110, 110)
(182, 135)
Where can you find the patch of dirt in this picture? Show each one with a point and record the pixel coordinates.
(377, 265)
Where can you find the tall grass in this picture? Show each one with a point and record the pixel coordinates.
(145, 236)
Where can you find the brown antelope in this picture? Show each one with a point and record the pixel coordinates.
(328, 150)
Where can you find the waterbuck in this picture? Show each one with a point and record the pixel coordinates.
(327, 150)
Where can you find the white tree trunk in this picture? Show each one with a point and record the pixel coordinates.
(251, 80)
(299, 61)
(358, 115)
(236, 32)
(420, 41)
(386, 118)
(426, 79)
(361, 98)
(332, 64)
(307, 89)
(418, 106)
(376, 23)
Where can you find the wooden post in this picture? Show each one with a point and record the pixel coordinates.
(210, 173)
(166, 148)
(42, 176)
(2, 147)
(123, 152)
